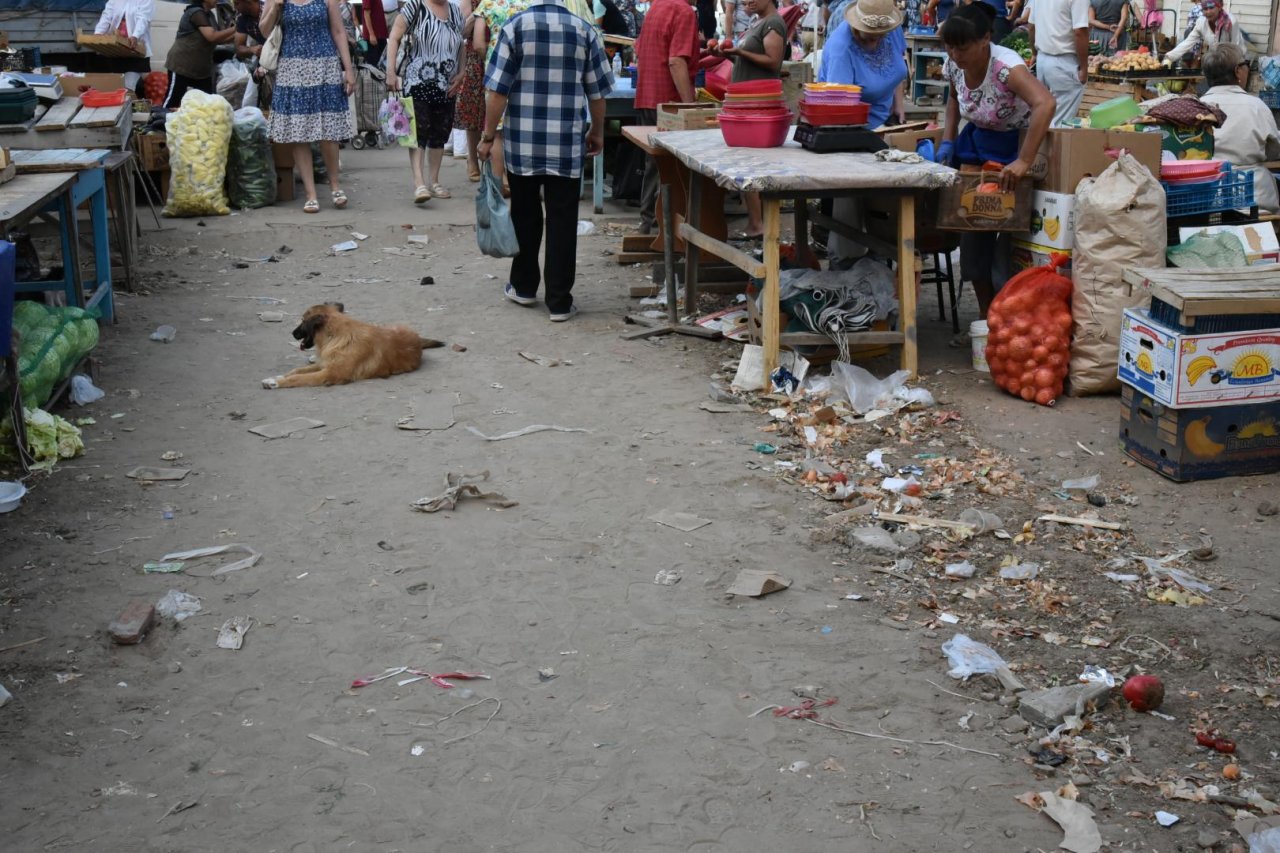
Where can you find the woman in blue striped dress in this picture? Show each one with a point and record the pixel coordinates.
(313, 80)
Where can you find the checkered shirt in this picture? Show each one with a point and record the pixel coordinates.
(549, 63)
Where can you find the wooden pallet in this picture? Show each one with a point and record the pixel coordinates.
(99, 116)
(59, 115)
(1097, 93)
(110, 44)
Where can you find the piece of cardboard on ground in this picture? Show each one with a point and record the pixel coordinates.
(145, 472)
(757, 582)
(284, 428)
(684, 521)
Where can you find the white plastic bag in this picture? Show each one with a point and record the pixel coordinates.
(250, 98)
(863, 391)
(83, 391)
(251, 168)
(233, 79)
(178, 605)
(969, 658)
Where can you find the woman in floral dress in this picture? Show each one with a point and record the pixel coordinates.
(313, 79)
(491, 17)
(468, 111)
(428, 66)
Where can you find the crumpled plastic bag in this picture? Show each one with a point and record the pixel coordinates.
(969, 658)
(866, 393)
(251, 167)
(197, 553)
(495, 233)
(178, 605)
(233, 79)
(83, 391)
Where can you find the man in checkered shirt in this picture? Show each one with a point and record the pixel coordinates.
(546, 72)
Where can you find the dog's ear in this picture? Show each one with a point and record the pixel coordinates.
(308, 327)
(337, 306)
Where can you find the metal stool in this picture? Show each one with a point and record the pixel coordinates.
(939, 273)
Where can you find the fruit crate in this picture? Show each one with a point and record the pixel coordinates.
(1233, 191)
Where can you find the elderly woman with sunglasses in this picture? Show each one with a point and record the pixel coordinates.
(1249, 137)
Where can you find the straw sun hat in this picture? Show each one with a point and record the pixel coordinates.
(873, 17)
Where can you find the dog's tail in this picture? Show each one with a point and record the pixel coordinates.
(428, 343)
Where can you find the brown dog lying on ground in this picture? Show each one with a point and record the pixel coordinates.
(348, 350)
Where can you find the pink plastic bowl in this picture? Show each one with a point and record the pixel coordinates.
(749, 132)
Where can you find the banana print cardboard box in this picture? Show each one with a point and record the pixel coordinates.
(1192, 371)
(1200, 444)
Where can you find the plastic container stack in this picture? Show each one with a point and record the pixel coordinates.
(828, 104)
(755, 115)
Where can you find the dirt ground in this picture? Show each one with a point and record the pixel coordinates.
(619, 714)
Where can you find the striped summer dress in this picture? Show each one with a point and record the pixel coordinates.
(309, 104)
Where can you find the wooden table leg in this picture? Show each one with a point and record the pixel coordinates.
(669, 254)
(772, 286)
(692, 254)
(907, 280)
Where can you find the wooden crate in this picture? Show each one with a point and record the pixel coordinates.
(1098, 93)
(110, 44)
(152, 150)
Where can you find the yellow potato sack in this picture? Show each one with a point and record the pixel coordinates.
(199, 138)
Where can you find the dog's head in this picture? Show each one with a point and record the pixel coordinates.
(314, 320)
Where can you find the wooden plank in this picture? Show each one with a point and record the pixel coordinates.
(110, 44)
(23, 127)
(813, 339)
(59, 115)
(627, 258)
(99, 117)
(638, 242)
(8, 173)
(1082, 522)
(58, 160)
(906, 278)
(23, 197)
(724, 251)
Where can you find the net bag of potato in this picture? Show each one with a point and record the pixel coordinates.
(199, 139)
(251, 167)
(1120, 225)
(1029, 334)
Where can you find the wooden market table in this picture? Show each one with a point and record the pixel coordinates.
(66, 124)
(61, 193)
(794, 173)
(1136, 85)
(673, 174)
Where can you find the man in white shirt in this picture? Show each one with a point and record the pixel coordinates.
(1249, 137)
(1060, 35)
(131, 19)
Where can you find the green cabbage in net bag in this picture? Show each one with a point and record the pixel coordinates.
(53, 340)
(251, 168)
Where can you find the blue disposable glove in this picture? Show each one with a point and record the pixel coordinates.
(944, 152)
(925, 149)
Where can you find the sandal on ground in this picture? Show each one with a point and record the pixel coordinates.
(312, 206)
(439, 191)
(339, 199)
(421, 194)
(959, 341)
(474, 176)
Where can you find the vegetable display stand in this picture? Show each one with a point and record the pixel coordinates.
(62, 194)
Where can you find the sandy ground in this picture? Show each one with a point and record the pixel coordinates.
(619, 713)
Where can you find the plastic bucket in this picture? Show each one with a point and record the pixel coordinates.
(978, 339)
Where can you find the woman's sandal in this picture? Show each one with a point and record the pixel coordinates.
(339, 199)
(474, 177)
(312, 206)
(421, 195)
(439, 191)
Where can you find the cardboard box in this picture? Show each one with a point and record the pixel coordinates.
(1200, 444)
(964, 207)
(696, 116)
(1053, 221)
(1026, 255)
(283, 155)
(1079, 153)
(910, 139)
(1258, 239)
(74, 84)
(1189, 371)
(1182, 143)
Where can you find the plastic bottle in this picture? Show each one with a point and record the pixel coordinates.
(617, 66)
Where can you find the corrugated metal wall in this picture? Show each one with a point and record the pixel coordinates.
(52, 32)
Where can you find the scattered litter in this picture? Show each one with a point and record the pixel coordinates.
(667, 577)
(164, 334)
(1083, 484)
(586, 228)
(330, 742)
(417, 749)
(948, 618)
(543, 360)
(339, 248)
(214, 550)
(866, 394)
(798, 766)
(5, 696)
(281, 429)
(171, 456)
(271, 316)
(765, 448)
(428, 280)
(163, 568)
(969, 658)
(1081, 522)
(963, 722)
(982, 521)
(177, 605)
(231, 634)
(144, 472)
(457, 487)
(899, 485)
(1119, 578)
(683, 521)
(1093, 674)
(438, 680)
(1080, 831)
(547, 674)
(418, 239)
(1262, 834)
(1020, 572)
(853, 596)
(757, 582)
(1167, 819)
(357, 235)
(1181, 578)
(83, 391)
(876, 460)
(750, 375)
(717, 408)
(529, 430)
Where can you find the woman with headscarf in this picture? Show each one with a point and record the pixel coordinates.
(1214, 27)
(998, 98)
(1248, 138)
